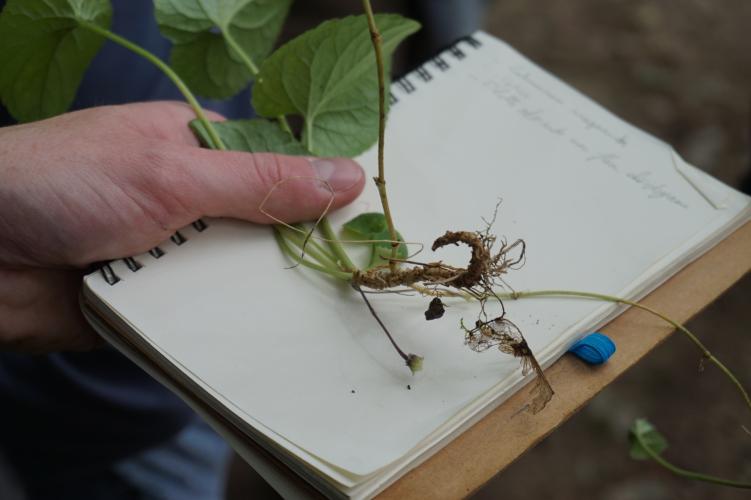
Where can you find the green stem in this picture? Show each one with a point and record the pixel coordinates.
(336, 247)
(380, 181)
(253, 69)
(323, 257)
(307, 135)
(320, 248)
(618, 300)
(282, 242)
(166, 70)
(284, 124)
(247, 61)
(687, 473)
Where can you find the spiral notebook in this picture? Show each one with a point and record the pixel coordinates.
(291, 367)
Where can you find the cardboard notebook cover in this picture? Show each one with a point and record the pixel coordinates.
(294, 361)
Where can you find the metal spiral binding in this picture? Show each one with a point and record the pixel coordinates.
(134, 266)
(439, 61)
(109, 275)
(156, 252)
(424, 74)
(474, 42)
(406, 85)
(457, 52)
(178, 238)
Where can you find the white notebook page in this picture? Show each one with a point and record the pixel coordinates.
(601, 205)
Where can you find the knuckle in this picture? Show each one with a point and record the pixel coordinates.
(154, 156)
(164, 185)
(271, 170)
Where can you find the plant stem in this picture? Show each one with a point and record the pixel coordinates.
(282, 242)
(336, 247)
(618, 300)
(253, 70)
(380, 181)
(311, 241)
(686, 473)
(307, 136)
(308, 247)
(166, 70)
(404, 355)
(284, 124)
(247, 61)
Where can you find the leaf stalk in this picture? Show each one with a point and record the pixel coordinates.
(252, 69)
(284, 245)
(335, 245)
(687, 473)
(169, 72)
(308, 248)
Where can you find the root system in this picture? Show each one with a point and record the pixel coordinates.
(478, 280)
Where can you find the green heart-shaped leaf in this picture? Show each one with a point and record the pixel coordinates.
(382, 250)
(214, 39)
(328, 76)
(647, 433)
(366, 225)
(44, 52)
(253, 136)
(373, 226)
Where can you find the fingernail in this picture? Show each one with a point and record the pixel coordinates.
(340, 173)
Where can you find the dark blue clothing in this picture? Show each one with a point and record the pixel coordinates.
(65, 418)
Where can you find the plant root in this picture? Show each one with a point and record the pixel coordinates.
(483, 273)
(506, 336)
(484, 268)
(480, 262)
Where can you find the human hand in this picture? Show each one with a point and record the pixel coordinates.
(110, 182)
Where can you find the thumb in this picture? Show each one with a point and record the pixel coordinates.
(263, 187)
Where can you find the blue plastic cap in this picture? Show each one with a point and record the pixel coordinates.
(594, 349)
